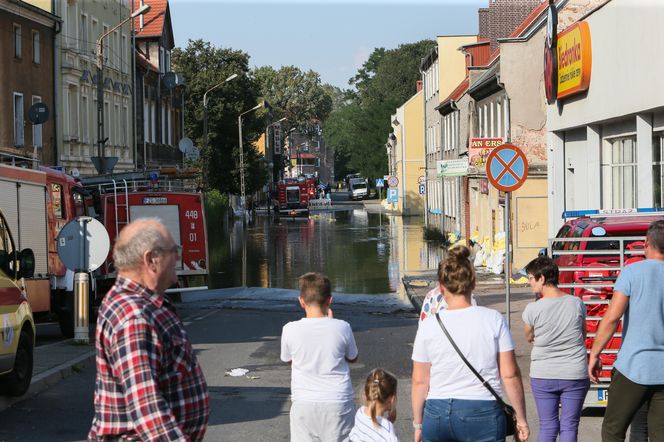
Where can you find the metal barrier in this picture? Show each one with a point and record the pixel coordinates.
(593, 282)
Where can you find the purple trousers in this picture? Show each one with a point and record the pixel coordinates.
(559, 403)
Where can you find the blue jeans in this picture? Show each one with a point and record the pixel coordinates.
(462, 420)
(554, 394)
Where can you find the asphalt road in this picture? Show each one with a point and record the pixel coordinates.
(254, 407)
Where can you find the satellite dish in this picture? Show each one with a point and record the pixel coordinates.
(193, 154)
(83, 234)
(75, 173)
(170, 80)
(38, 113)
(185, 145)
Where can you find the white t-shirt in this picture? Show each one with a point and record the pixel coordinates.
(364, 430)
(480, 333)
(318, 348)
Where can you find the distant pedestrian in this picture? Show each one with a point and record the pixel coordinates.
(319, 348)
(556, 326)
(449, 401)
(149, 384)
(371, 422)
(638, 377)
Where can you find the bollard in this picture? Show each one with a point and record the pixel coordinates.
(81, 308)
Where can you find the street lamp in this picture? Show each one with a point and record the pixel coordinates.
(239, 128)
(100, 161)
(205, 113)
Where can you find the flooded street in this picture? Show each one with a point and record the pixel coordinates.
(361, 252)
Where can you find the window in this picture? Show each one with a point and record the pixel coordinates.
(36, 128)
(153, 122)
(6, 250)
(116, 117)
(169, 128)
(19, 139)
(163, 122)
(619, 173)
(57, 198)
(167, 61)
(123, 51)
(17, 41)
(658, 169)
(125, 120)
(161, 60)
(72, 111)
(85, 129)
(83, 36)
(36, 55)
(146, 120)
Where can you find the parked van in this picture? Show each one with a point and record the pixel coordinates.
(17, 327)
(357, 188)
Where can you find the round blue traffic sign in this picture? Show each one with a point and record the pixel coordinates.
(507, 168)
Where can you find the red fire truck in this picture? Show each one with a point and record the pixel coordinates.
(293, 195)
(591, 249)
(37, 203)
(123, 197)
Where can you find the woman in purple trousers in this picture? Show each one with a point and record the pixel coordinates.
(555, 325)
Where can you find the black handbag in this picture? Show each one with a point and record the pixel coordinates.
(510, 414)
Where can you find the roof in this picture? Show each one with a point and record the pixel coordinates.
(487, 84)
(479, 53)
(620, 223)
(153, 20)
(446, 106)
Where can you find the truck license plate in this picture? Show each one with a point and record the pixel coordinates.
(603, 396)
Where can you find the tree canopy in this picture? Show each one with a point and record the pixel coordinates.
(205, 66)
(358, 128)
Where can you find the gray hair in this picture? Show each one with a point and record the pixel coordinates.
(128, 253)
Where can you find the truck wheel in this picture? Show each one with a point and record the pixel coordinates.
(17, 382)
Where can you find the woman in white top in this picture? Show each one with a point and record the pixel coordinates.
(380, 394)
(449, 402)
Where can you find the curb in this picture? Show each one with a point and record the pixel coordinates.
(45, 379)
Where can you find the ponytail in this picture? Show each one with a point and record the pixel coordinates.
(379, 387)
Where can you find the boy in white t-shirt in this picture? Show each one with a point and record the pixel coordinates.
(319, 349)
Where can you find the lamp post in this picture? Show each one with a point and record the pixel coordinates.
(205, 102)
(239, 128)
(101, 140)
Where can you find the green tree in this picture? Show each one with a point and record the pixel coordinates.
(358, 128)
(296, 95)
(203, 67)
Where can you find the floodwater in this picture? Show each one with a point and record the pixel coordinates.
(361, 252)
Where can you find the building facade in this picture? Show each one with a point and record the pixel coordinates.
(606, 142)
(159, 91)
(26, 78)
(85, 21)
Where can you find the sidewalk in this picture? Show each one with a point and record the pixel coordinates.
(52, 363)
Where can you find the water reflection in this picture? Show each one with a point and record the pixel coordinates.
(360, 252)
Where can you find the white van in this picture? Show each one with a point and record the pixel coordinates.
(357, 188)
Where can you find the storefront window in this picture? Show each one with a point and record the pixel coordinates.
(619, 173)
(658, 169)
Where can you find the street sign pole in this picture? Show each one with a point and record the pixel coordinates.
(508, 260)
(507, 170)
(81, 290)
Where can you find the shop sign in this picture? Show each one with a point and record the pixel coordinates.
(455, 167)
(574, 59)
(479, 150)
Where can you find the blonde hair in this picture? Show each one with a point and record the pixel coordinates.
(380, 386)
(456, 272)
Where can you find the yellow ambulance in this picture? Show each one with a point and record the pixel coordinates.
(17, 328)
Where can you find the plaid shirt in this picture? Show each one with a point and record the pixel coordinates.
(149, 382)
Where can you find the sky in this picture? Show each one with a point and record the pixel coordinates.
(332, 37)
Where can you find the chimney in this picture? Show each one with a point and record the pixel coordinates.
(418, 86)
(483, 14)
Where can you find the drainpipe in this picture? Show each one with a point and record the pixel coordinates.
(57, 28)
(404, 205)
(133, 90)
(426, 149)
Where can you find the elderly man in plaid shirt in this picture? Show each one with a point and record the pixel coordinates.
(149, 384)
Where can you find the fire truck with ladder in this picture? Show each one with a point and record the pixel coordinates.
(293, 195)
(119, 198)
(590, 249)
